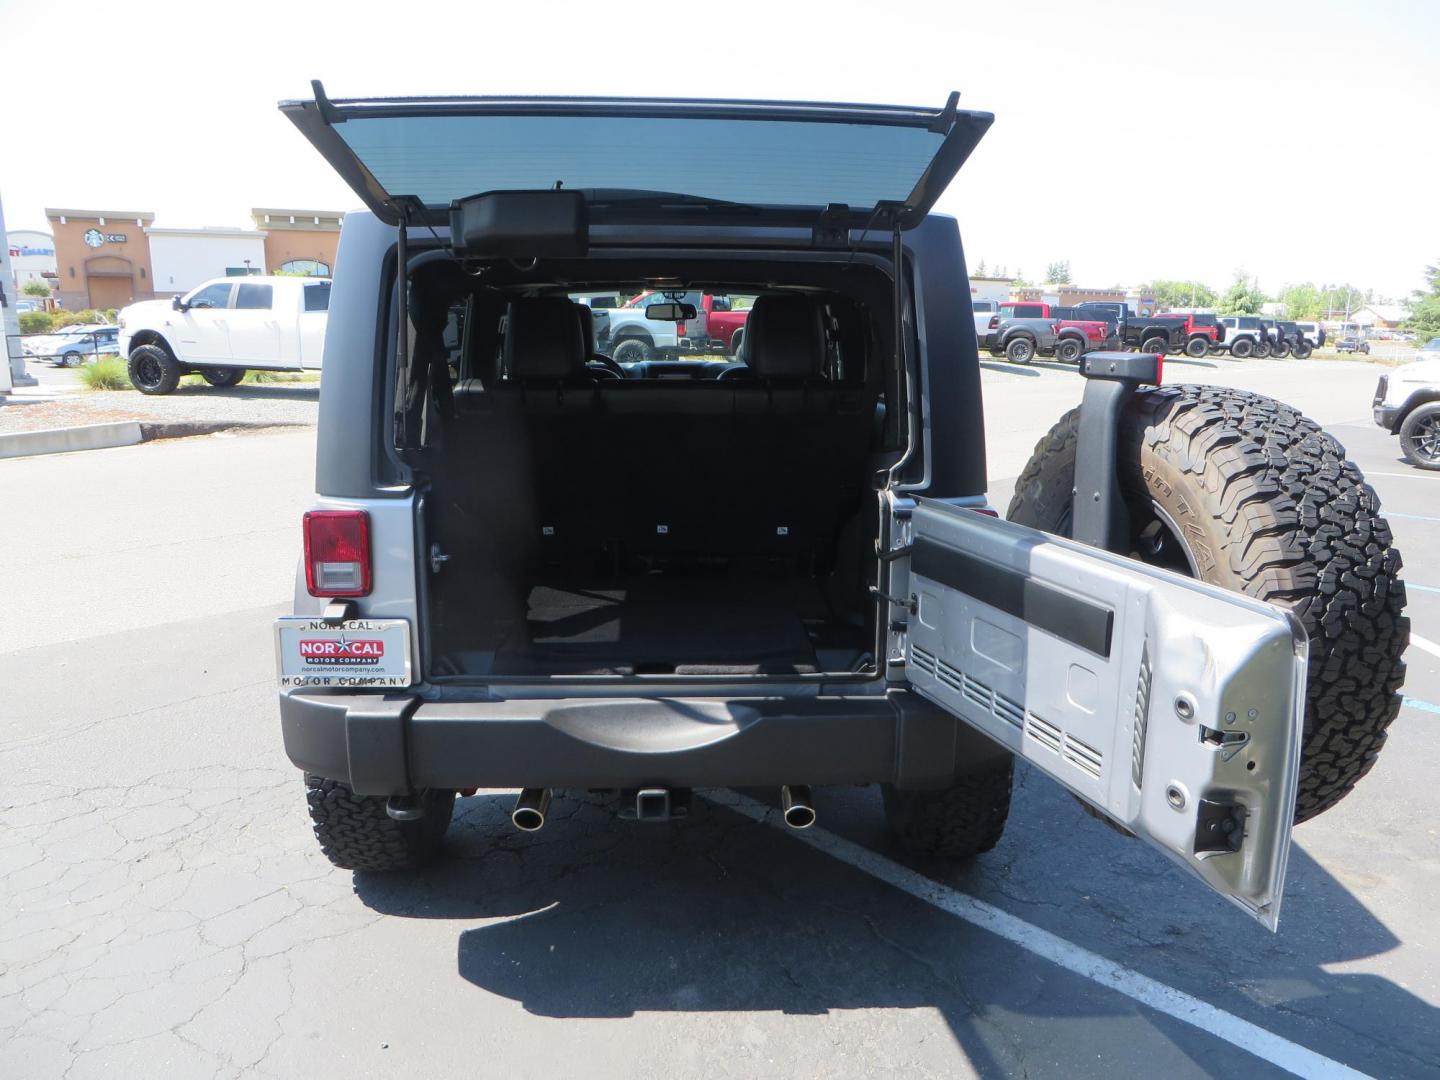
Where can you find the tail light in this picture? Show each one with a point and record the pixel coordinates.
(986, 510)
(994, 322)
(337, 552)
(679, 329)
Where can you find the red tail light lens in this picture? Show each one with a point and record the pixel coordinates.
(337, 552)
(679, 329)
(994, 322)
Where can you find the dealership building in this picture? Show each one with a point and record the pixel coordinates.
(110, 258)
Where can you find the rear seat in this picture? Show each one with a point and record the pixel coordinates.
(806, 438)
(769, 464)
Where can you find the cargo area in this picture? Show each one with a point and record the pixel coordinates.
(694, 515)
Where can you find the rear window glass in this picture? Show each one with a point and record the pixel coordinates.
(1027, 311)
(254, 297)
(758, 162)
(317, 297)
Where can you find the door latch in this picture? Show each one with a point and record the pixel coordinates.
(910, 604)
(438, 558)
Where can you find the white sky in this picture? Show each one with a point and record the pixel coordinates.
(1296, 140)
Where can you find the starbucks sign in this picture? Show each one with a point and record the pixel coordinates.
(95, 238)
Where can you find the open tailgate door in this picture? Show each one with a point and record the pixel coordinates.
(1173, 707)
(762, 162)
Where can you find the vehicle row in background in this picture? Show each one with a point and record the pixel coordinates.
(1021, 330)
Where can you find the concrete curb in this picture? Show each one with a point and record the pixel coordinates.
(105, 436)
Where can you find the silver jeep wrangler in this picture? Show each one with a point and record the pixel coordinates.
(531, 566)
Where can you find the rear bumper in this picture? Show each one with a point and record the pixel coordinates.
(396, 743)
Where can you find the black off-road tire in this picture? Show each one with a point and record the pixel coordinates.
(222, 377)
(1020, 350)
(1197, 347)
(1069, 350)
(1420, 436)
(1302, 351)
(631, 350)
(1242, 348)
(1271, 507)
(958, 822)
(1157, 345)
(1280, 350)
(356, 833)
(152, 369)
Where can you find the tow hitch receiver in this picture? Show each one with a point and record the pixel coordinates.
(655, 804)
(1099, 517)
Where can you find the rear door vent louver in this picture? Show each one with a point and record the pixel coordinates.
(1074, 751)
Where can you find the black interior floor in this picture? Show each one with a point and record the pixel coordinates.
(660, 624)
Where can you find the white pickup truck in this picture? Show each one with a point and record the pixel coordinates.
(987, 319)
(222, 328)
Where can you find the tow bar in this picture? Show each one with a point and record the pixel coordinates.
(1098, 516)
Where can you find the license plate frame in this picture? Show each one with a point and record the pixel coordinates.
(354, 654)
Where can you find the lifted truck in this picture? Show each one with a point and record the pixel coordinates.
(1075, 333)
(1148, 333)
(547, 573)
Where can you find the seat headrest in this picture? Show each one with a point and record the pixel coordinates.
(587, 328)
(785, 337)
(542, 339)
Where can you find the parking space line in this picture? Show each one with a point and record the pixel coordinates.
(1425, 645)
(1403, 475)
(1420, 588)
(1242, 1034)
(1423, 706)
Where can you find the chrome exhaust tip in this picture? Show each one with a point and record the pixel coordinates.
(530, 807)
(796, 807)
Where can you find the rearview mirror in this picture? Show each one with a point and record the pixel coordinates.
(670, 312)
(177, 304)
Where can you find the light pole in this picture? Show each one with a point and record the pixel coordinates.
(12, 364)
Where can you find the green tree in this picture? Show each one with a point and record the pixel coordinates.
(1242, 298)
(1018, 278)
(36, 322)
(1303, 301)
(1058, 273)
(1424, 305)
(1180, 294)
(35, 287)
(980, 270)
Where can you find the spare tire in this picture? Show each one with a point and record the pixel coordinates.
(1260, 500)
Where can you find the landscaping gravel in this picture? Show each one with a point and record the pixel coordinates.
(270, 404)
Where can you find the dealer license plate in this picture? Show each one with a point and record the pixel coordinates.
(358, 652)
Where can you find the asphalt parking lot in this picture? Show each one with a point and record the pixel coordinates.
(166, 913)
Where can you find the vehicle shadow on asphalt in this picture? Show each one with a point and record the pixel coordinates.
(1009, 368)
(598, 917)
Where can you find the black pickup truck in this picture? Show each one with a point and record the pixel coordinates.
(1148, 333)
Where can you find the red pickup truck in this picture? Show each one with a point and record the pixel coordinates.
(1076, 332)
